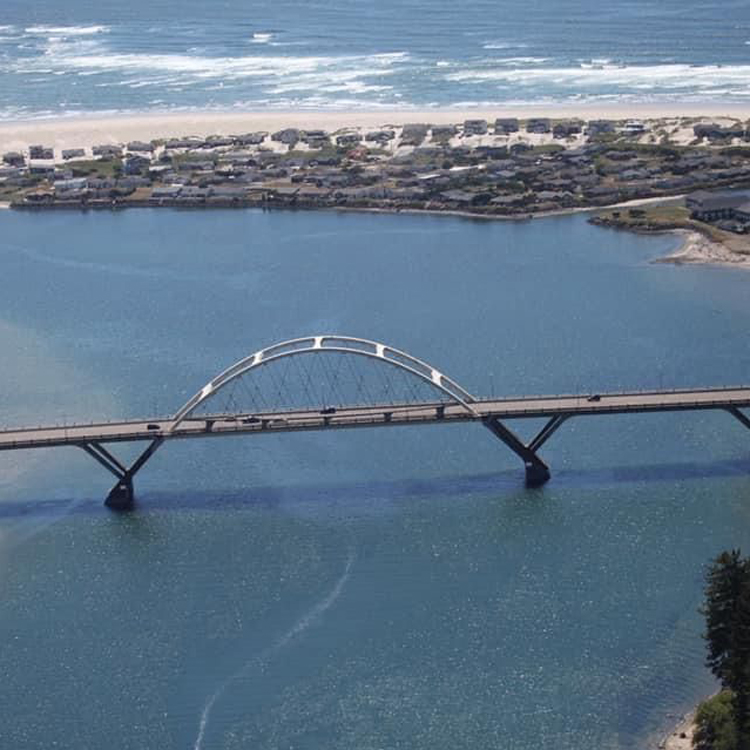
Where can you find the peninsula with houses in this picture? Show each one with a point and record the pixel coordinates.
(506, 168)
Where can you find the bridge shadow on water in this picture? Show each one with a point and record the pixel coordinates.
(507, 483)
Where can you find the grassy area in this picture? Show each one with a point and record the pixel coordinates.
(104, 168)
(656, 218)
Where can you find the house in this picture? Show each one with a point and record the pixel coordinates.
(567, 128)
(706, 206)
(633, 127)
(195, 193)
(42, 170)
(72, 153)
(464, 198)
(443, 132)
(101, 183)
(742, 212)
(348, 139)
(41, 152)
(77, 183)
(173, 143)
(107, 151)
(475, 127)
(538, 125)
(166, 192)
(289, 136)
(14, 159)
(131, 183)
(599, 127)
(140, 147)
(491, 152)
(715, 132)
(218, 141)
(134, 164)
(306, 136)
(250, 139)
(506, 125)
(380, 136)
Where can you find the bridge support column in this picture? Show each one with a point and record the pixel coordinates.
(537, 472)
(122, 495)
(739, 416)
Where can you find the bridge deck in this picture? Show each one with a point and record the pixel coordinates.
(383, 415)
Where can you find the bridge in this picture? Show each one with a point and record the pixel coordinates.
(334, 382)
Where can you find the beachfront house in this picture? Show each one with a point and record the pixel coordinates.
(506, 125)
(475, 127)
(706, 206)
(538, 125)
(14, 159)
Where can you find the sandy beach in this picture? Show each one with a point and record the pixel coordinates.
(681, 737)
(71, 132)
(697, 249)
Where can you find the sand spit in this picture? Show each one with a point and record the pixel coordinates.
(698, 249)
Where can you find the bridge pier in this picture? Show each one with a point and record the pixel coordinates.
(122, 495)
(537, 472)
(536, 475)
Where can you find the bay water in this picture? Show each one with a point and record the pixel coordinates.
(374, 588)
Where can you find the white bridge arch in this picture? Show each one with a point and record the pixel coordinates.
(322, 344)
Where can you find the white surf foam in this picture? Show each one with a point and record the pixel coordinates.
(261, 37)
(673, 76)
(308, 619)
(504, 45)
(67, 30)
(67, 56)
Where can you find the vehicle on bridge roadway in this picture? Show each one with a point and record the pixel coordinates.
(328, 410)
(594, 397)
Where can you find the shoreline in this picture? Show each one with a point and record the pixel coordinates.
(71, 130)
(680, 737)
(696, 249)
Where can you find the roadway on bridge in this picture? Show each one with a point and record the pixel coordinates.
(380, 415)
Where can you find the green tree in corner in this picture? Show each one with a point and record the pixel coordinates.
(723, 722)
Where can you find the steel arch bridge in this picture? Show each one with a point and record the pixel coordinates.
(333, 381)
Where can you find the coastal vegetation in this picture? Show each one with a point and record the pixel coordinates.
(723, 722)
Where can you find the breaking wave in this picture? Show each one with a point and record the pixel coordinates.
(66, 30)
(626, 77)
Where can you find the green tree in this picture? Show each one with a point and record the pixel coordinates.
(727, 612)
(715, 728)
(724, 582)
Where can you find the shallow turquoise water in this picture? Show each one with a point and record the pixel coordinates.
(385, 588)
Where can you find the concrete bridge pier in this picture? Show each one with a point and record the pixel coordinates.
(121, 496)
(536, 474)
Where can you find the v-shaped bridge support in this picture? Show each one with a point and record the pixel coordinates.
(537, 472)
(121, 496)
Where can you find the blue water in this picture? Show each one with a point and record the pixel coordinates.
(383, 588)
(80, 56)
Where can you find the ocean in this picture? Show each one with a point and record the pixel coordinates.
(80, 57)
(368, 588)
